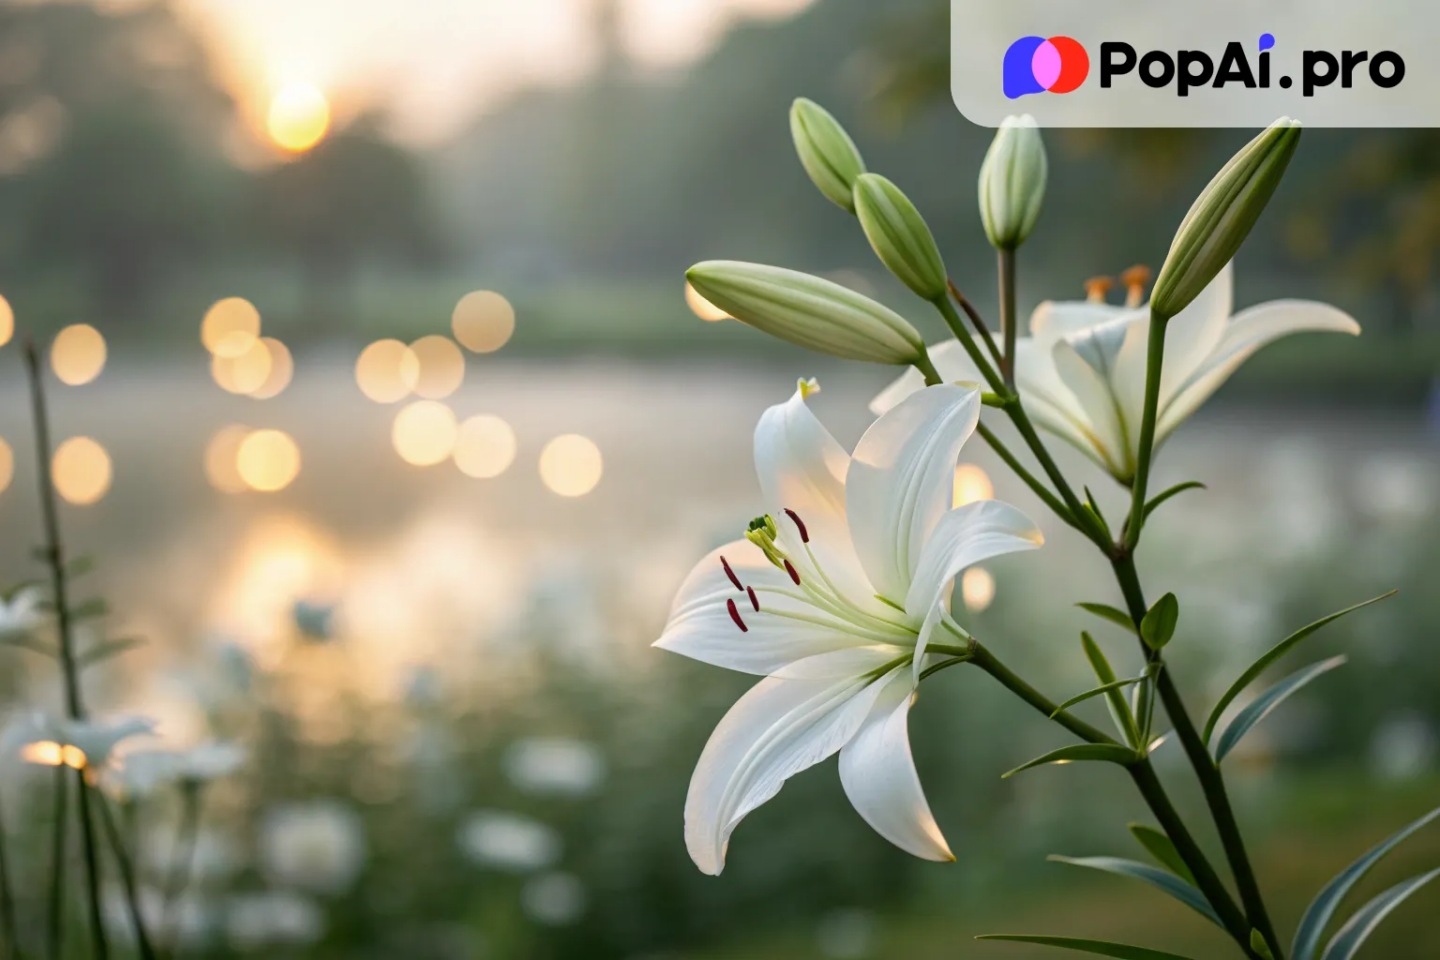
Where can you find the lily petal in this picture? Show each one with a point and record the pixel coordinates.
(902, 481)
(1194, 333)
(1055, 319)
(1106, 434)
(780, 727)
(965, 536)
(877, 770)
(1247, 332)
(951, 362)
(785, 629)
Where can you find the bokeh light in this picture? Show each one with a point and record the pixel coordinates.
(245, 373)
(81, 470)
(299, 117)
(7, 321)
(222, 455)
(231, 327)
(7, 465)
(972, 484)
(78, 354)
(282, 369)
(703, 308)
(485, 447)
(268, 460)
(380, 371)
(425, 433)
(483, 321)
(433, 368)
(571, 465)
(48, 753)
(977, 588)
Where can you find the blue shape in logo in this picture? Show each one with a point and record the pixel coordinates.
(1267, 40)
(1018, 75)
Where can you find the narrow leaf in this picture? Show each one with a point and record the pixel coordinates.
(1158, 627)
(1115, 700)
(1275, 653)
(1110, 752)
(1093, 506)
(1104, 948)
(1359, 927)
(1106, 612)
(1179, 488)
(109, 648)
(1323, 907)
(1260, 946)
(1162, 880)
(24, 642)
(1162, 848)
(1090, 694)
(1268, 701)
(90, 609)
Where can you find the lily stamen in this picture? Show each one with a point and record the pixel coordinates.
(735, 615)
(799, 525)
(754, 601)
(794, 574)
(731, 574)
(1096, 288)
(1136, 279)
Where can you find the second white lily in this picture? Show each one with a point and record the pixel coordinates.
(834, 598)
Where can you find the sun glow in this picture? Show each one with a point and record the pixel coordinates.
(299, 117)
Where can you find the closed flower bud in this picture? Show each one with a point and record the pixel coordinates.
(899, 235)
(826, 151)
(1222, 216)
(805, 310)
(1012, 182)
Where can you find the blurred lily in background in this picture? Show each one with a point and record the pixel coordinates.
(835, 603)
(1082, 369)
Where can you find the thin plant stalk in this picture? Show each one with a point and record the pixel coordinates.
(975, 319)
(181, 863)
(127, 875)
(8, 927)
(1009, 322)
(1154, 369)
(56, 913)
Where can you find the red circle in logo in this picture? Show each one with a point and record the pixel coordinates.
(1074, 65)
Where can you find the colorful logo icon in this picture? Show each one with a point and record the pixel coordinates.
(1035, 65)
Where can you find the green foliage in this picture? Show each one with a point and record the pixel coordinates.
(1162, 880)
(1162, 849)
(1267, 702)
(1106, 752)
(1158, 626)
(1349, 938)
(1176, 490)
(1106, 612)
(1103, 948)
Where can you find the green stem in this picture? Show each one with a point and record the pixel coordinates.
(127, 875)
(1212, 782)
(926, 367)
(56, 912)
(1150, 788)
(1009, 327)
(1085, 522)
(1154, 370)
(977, 321)
(962, 333)
(8, 927)
(1038, 488)
(92, 870)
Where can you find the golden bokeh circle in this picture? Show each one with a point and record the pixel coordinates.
(571, 465)
(483, 321)
(433, 368)
(7, 465)
(380, 371)
(972, 484)
(977, 589)
(222, 455)
(282, 369)
(701, 307)
(7, 321)
(246, 373)
(424, 433)
(78, 354)
(231, 327)
(81, 470)
(485, 447)
(299, 117)
(268, 460)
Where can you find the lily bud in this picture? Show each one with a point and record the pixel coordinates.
(1221, 217)
(1012, 182)
(826, 151)
(809, 311)
(900, 236)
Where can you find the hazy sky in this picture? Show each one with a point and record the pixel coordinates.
(436, 62)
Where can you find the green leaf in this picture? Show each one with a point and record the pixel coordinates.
(1162, 880)
(1119, 709)
(1158, 627)
(1275, 653)
(1093, 506)
(109, 648)
(1179, 488)
(1323, 907)
(1258, 944)
(1359, 927)
(1106, 612)
(1110, 752)
(1162, 849)
(79, 566)
(1268, 701)
(91, 609)
(26, 642)
(1104, 948)
(1090, 694)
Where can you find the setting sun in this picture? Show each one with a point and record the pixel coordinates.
(299, 117)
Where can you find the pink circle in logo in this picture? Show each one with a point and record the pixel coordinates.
(1046, 65)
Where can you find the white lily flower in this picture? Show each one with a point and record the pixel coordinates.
(42, 739)
(833, 598)
(1082, 372)
(21, 614)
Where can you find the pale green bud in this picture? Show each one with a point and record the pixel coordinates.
(1012, 182)
(826, 151)
(899, 235)
(809, 311)
(1222, 216)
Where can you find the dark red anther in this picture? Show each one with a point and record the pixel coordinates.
(794, 575)
(804, 534)
(731, 574)
(735, 615)
(754, 600)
